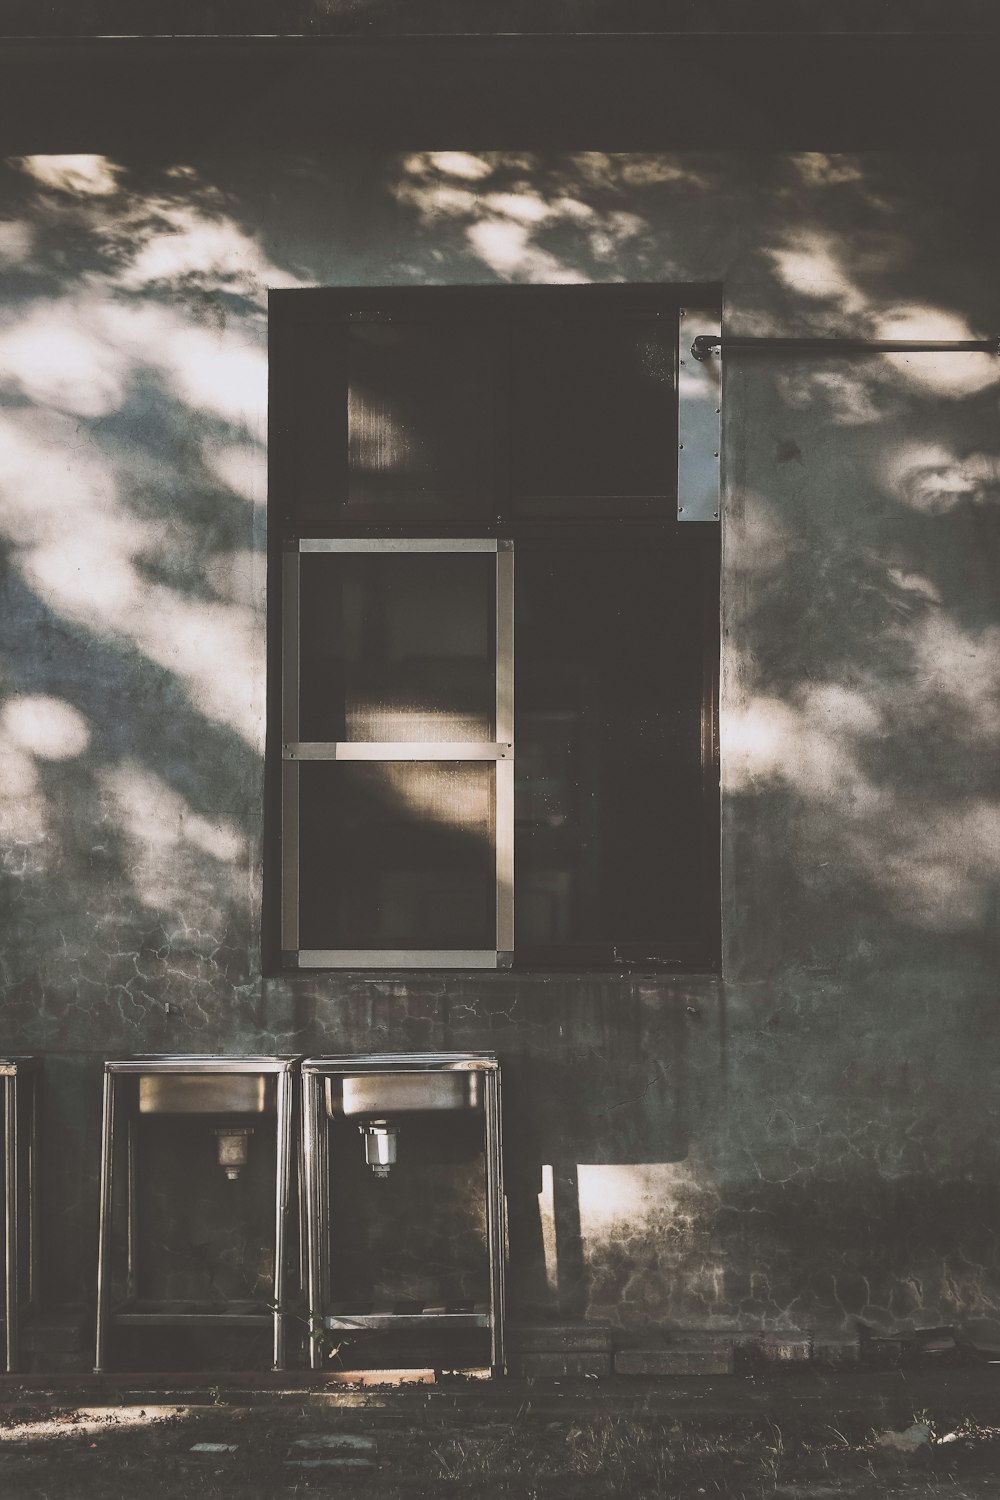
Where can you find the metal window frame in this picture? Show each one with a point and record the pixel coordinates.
(499, 751)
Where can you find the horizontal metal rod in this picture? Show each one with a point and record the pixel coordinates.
(395, 958)
(396, 750)
(430, 1322)
(707, 344)
(402, 544)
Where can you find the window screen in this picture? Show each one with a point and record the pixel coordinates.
(496, 647)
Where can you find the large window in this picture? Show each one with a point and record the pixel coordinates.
(495, 632)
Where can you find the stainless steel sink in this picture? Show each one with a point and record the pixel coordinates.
(382, 1094)
(207, 1093)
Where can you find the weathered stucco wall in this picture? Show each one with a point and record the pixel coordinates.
(812, 1138)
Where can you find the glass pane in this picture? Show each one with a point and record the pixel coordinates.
(397, 854)
(612, 841)
(421, 420)
(593, 410)
(398, 646)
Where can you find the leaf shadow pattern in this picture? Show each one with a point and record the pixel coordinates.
(860, 705)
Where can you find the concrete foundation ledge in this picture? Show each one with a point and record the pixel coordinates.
(561, 1364)
(576, 1338)
(657, 1360)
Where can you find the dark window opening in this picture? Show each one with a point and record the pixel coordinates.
(423, 443)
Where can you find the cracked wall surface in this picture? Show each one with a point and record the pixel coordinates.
(807, 1140)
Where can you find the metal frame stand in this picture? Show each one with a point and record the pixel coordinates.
(316, 1149)
(119, 1111)
(20, 1107)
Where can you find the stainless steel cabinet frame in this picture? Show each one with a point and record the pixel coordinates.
(385, 1086)
(175, 1084)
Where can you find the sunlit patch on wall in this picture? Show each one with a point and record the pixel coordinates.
(54, 358)
(854, 395)
(958, 672)
(185, 245)
(812, 265)
(16, 240)
(24, 811)
(237, 576)
(180, 863)
(932, 866)
(507, 248)
(52, 486)
(82, 356)
(818, 169)
(649, 1240)
(920, 590)
(547, 1219)
(79, 547)
(530, 221)
(959, 374)
(225, 376)
(938, 870)
(457, 164)
(641, 170)
(930, 478)
(757, 540)
(611, 1195)
(47, 727)
(241, 467)
(757, 739)
(811, 745)
(83, 176)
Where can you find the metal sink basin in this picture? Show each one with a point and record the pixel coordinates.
(207, 1093)
(380, 1094)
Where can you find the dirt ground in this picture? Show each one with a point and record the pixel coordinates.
(539, 1440)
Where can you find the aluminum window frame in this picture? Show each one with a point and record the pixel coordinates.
(500, 751)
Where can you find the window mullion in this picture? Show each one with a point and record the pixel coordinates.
(505, 764)
(289, 769)
(298, 750)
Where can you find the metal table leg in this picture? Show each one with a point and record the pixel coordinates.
(10, 1220)
(34, 1281)
(104, 1243)
(495, 1220)
(312, 1127)
(283, 1179)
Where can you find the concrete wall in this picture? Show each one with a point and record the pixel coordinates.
(813, 1137)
